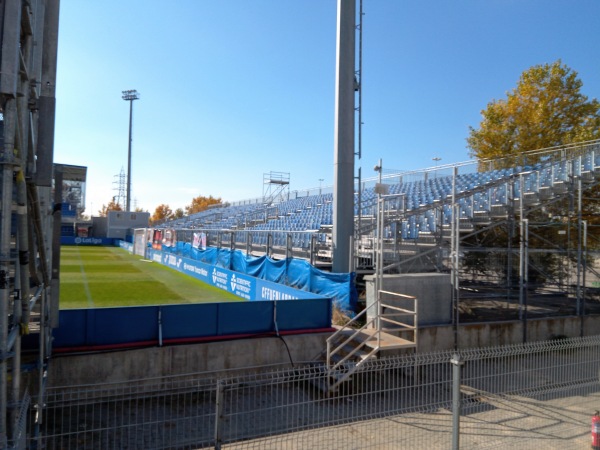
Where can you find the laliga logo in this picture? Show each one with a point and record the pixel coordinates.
(214, 275)
(233, 282)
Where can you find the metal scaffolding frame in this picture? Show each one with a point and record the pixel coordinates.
(29, 35)
(528, 211)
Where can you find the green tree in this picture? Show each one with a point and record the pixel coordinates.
(201, 203)
(178, 214)
(546, 109)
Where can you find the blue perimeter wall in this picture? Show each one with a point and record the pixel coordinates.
(274, 312)
(140, 326)
(295, 273)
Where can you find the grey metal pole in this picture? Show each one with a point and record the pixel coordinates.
(579, 246)
(454, 249)
(130, 96)
(456, 362)
(343, 182)
(521, 250)
(128, 207)
(218, 438)
(525, 276)
(584, 223)
(379, 253)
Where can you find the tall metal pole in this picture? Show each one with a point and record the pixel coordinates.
(129, 96)
(454, 254)
(379, 246)
(457, 363)
(343, 182)
(128, 207)
(579, 247)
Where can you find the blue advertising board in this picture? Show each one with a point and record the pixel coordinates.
(239, 284)
(144, 326)
(72, 240)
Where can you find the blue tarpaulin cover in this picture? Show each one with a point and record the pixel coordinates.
(292, 272)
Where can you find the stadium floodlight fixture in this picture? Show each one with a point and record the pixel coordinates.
(129, 95)
(436, 159)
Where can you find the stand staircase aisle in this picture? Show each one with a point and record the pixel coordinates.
(389, 323)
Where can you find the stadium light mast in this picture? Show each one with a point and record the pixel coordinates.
(129, 96)
(436, 159)
(343, 163)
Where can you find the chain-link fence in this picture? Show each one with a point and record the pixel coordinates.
(522, 396)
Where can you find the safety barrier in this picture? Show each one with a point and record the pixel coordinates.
(295, 274)
(143, 326)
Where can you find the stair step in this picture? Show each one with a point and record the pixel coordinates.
(387, 341)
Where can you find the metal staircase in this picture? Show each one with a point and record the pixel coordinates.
(389, 323)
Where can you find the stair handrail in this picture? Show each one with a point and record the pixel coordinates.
(348, 326)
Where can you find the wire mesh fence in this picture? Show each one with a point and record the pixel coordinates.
(518, 396)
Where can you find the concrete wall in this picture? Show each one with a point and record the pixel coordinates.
(488, 334)
(432, 290)
(223, 357)
(217, 357)
(120, 223)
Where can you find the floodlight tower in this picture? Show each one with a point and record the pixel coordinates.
(343, 162)
(129, 96)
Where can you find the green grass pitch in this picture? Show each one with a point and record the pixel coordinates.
(95, 277)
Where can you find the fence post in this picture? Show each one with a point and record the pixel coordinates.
(218, 415)
(457, 362)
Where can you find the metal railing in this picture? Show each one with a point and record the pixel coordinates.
(365, 335)
(497, 397)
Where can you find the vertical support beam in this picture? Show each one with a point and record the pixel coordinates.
(53, 305)
(6, 190)
(511, 228)
(343, 179)
(584, 224)
(128, 206)
(9, 70)
(457, 363)
(579, 247)
(10, 48)
(454, 255)
(47, 100)
(218, 438)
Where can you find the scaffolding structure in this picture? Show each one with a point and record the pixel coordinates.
(518, 236)
(29, 224)
(276, 187)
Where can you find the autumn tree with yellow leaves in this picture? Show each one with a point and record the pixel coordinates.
(545, 109)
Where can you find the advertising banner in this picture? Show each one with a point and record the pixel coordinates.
(242, 285)
(71, 240)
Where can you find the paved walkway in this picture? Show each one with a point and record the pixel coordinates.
(502, 422)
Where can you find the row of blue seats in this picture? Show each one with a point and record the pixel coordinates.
(312, 212)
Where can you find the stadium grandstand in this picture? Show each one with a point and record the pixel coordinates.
(426, 215)
(512, 238)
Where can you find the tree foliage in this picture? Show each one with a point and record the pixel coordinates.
(161, 213)
(201, 203)
(178, 214)
(112, 206)
(546, 109)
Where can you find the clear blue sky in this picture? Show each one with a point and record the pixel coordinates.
(233, 89)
